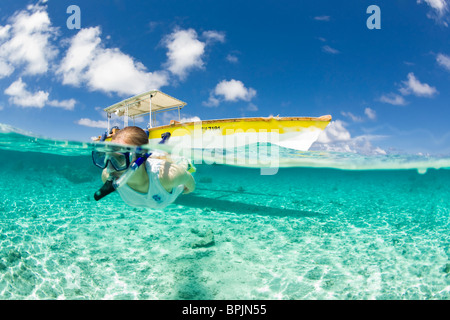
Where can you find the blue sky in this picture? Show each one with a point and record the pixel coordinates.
(387, 89)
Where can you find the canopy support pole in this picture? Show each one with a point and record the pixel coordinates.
(150, 113)
(125, 120)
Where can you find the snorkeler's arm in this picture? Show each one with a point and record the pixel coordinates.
(172, 175)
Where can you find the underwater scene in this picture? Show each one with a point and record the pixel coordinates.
(324, 225)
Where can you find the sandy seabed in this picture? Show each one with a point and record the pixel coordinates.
(301, 234)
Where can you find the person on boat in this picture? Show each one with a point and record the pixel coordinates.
(156, 184)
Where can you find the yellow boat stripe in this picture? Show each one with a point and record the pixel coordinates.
(226, 128)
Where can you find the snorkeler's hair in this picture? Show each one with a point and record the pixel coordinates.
(131, 135)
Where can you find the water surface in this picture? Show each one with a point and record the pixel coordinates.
(325, 226)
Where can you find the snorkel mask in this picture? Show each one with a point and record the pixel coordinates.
(119, 161)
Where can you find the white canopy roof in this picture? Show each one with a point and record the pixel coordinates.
(140, 104)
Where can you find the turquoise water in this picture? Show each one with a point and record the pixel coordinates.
(325, 226)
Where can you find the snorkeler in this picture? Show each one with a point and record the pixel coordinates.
(142, 180)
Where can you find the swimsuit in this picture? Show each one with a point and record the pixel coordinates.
(156, 197)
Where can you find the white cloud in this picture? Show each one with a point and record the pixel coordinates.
(92, 123)
(351, 116)
(438, 5)
(322, 18)
(360, 145)
(443, 60)
(20, 96)
(410, 86)
(114, 71)
(232, 58)
(211, 36)
(329, 49)
(185, 52)
(165, 117)
(213, 101)
(6, 69)
(79, 56)
(370, 113)
(337, 138)
(4, 32)
(439, 10)
(190, 119)
(26, 41)
(414, 86)
(335, 132)
(232, 90)
(65, 104)
(252, 107)
(394, 99)
(103, 69)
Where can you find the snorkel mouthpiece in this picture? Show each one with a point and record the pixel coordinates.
(106, 189)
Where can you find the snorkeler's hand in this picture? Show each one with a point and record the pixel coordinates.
(105, 175)
(189, 184)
